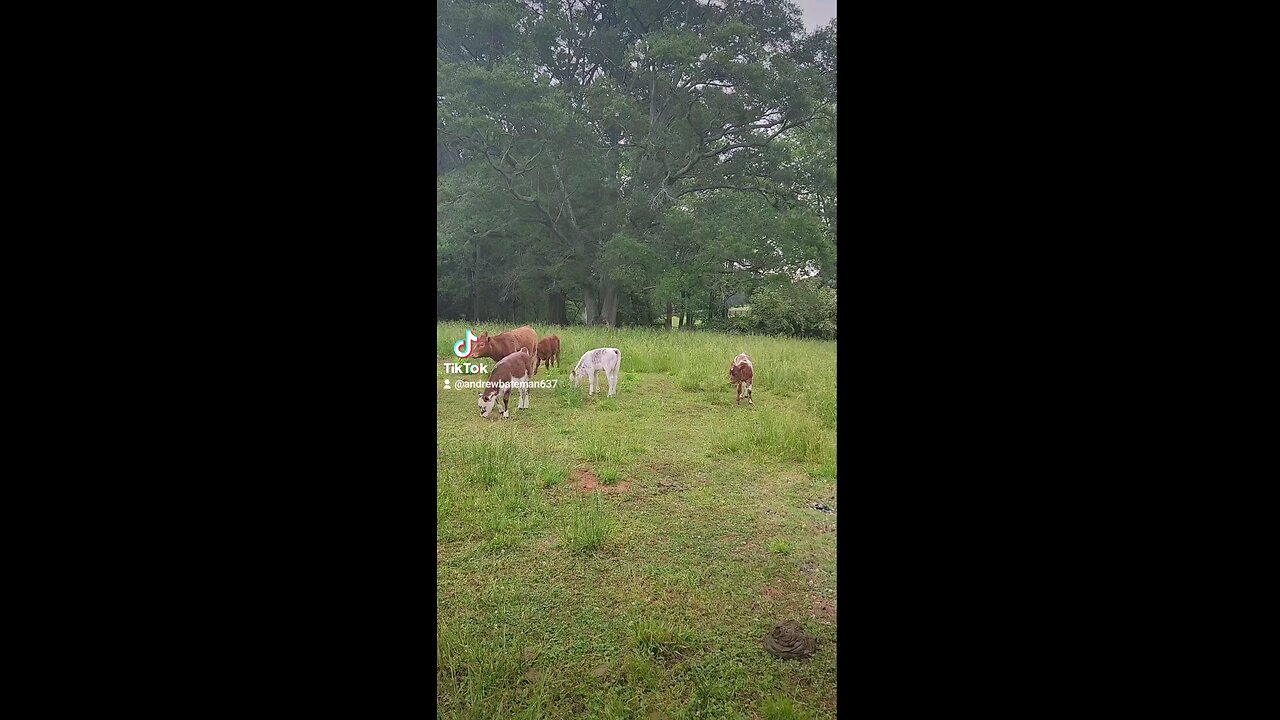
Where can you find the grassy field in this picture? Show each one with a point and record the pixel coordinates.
(623, 557)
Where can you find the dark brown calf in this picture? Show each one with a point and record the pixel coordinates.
(501, 345)
(548, 351)
(741, 373)
(512, 371)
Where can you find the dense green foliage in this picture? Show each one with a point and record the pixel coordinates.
(803, 309)
(621, 162)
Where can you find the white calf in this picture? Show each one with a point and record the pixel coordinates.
(606, 360)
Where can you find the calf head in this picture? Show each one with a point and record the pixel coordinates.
(735, 376)
(487, 399)
(481, 346)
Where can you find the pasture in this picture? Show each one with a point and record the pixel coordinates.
(623, 557)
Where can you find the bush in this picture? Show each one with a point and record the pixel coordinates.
(806, 308)
(715, 324)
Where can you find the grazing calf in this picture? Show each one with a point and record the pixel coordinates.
(606, 360)
(501, 345)
(512, 371)
(740, 374)
(548, 351)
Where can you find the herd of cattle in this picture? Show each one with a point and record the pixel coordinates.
(519, 353)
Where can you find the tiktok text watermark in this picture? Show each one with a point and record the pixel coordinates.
(485, 384)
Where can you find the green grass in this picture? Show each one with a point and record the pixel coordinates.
(588, 528)
(782, 547)
(782, 709)
(648, 596)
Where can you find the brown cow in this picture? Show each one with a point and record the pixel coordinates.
(502, 345)
(513, 371)
(548, 351)
(740, 373)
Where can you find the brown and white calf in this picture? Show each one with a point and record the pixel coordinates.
(548, 351)
(740, 373)
(606, 360)
(503, 344)
(513, 371)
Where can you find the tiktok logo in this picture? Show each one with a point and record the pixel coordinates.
(457, 347)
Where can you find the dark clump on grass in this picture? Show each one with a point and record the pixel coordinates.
(789, 641)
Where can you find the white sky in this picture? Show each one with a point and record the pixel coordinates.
(816, 12)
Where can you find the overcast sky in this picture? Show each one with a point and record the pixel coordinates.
(816, 12)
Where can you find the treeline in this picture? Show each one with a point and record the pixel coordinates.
(627, 163)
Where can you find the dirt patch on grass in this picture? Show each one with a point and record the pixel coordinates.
(586, 481)
(824, 610)
(771, 593)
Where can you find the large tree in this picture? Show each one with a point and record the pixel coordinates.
(585, 124)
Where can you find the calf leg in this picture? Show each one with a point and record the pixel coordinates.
(613, 383)
(749, 394)
(506, 402)
(739, 393)
(524, 397)
(591, 387)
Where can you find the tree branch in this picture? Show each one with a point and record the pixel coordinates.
(715, 187)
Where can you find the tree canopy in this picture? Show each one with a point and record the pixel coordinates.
(615, 157)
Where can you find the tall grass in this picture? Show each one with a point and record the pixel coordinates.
(588, 528)
(699, 359)
(636, 600)
(789, 437)
(489, 487)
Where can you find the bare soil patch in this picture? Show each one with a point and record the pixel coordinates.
(586, 481)
(824, 610)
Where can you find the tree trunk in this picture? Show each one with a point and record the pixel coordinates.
(684, 322)
(475, 287)
(670, 311)
(555, 307)
(590, 311)
(609, 306)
